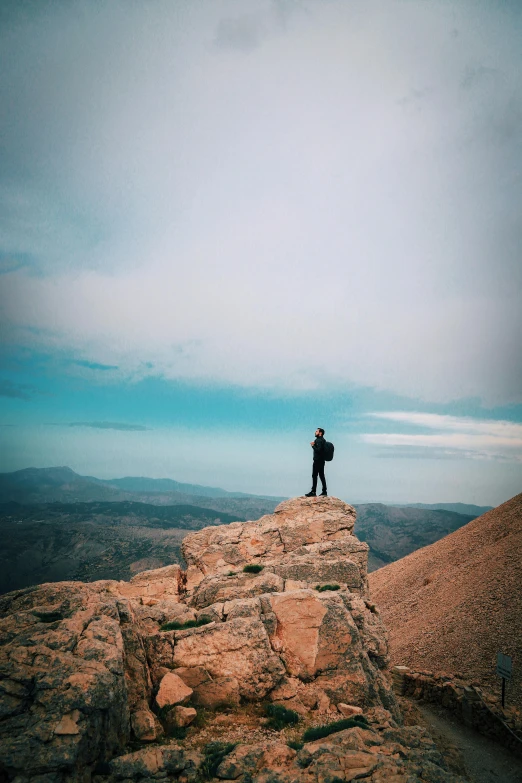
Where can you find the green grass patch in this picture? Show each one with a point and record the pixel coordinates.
(174, 625)
(295, 745)
(319, 732)
(279, 717)
(252, 568)
(323, 588)
(213, 755)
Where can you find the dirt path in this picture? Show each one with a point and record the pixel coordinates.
(485, 761)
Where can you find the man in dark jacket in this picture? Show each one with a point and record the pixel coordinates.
(318, 467)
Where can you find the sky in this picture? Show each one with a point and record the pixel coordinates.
(224, 223)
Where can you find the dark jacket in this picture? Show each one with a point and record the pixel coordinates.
(318, 448)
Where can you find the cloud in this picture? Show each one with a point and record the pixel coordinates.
(19, 391)
(109, 425)
(255, 192)
(243, 33)
(94, 365)
(462, 437)
(10, 262)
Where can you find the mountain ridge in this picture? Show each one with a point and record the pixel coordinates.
(453, 605)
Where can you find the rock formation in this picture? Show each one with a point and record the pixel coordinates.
(273, 612)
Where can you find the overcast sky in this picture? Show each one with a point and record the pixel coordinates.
(226, 223)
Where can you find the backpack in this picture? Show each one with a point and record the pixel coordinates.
(328, 451)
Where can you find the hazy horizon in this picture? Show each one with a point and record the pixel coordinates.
(224, 225)
(230, 489)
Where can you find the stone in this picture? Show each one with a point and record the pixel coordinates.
(160, 583)
(62, 647)
(244, 758)
(182, 716)
(287, 689)
(358, 765)
(68, 724)
(347, 710)
(239, 648)
(172, 690)
(222, 588)
(150, 762)
(277, 756)
(193, 676)
(323, 703)
(143, 725)
(314, 632)
(221, 692)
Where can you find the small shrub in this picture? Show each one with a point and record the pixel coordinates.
(177, 732)
(174, 625)
(295, 745)
(323, 588)
(252, 568)
(318, 732)
(213, 755)
(279, 717)
(231, 573)
(201, 718)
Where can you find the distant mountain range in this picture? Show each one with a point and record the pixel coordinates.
(458, 508)
(56, 524)
(63, 485)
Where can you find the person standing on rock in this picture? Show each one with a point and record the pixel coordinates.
(318, 445)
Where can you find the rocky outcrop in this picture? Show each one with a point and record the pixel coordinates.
(87, 668)
(62, 661)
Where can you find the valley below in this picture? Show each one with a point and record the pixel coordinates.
(57, 525)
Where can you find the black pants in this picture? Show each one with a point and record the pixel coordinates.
(318, 470)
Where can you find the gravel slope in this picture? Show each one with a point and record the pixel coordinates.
(453, 605)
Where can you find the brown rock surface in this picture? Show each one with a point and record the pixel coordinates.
(83, 667)
(454, 604)
(294, 524)
(172, 691)
(62, 648)
(181, 716)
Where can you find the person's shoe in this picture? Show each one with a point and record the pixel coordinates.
(310, 495)
(323, 495)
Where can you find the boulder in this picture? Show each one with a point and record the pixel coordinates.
(154, 761)
(347, 710)
(172, 690)
(143, 725)
(239, 648)
(180, 716)
(221, 692)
